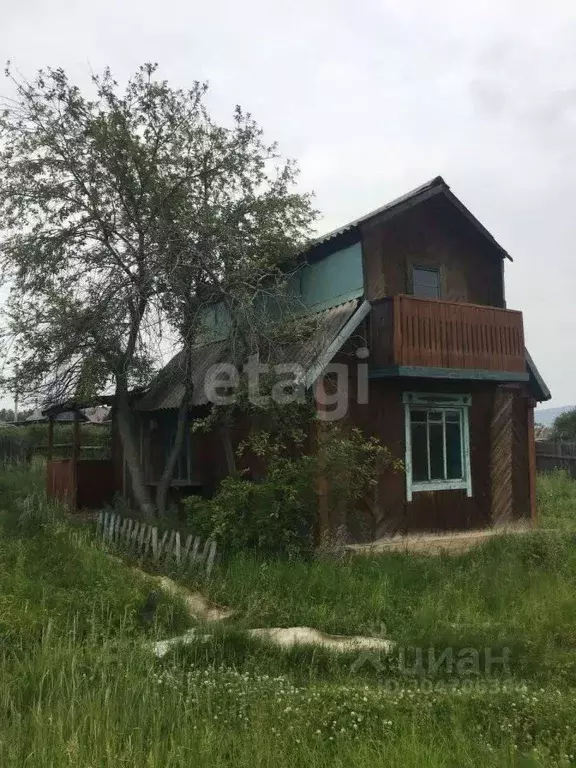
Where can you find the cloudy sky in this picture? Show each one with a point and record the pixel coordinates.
(373, 97)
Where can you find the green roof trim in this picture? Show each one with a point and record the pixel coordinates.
(465, 374)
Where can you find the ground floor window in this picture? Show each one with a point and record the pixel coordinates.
(437, 442)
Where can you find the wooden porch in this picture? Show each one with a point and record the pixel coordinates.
(77, 483)
(412, 333)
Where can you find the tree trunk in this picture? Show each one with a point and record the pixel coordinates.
(131, 454)
(227, 445)
(164, 485)
(168, 473)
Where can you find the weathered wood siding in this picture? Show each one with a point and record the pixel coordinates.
(96, 483)
(85, 484)
(409, 331)
(432, 234)
(444, 510)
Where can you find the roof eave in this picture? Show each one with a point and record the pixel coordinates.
(537, 383)
(432, 188)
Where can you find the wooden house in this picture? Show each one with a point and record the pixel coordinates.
(449, 386)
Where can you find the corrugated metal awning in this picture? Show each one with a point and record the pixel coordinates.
(167, 390)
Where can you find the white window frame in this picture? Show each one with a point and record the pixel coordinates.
(433, 401)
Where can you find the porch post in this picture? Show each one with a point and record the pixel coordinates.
(532, 461)
(321, 479)
(50, 449)
(76, 438)
(75, 457)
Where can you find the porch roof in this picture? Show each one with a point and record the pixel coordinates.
(333, 326)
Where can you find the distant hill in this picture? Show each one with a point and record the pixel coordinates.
(547, 416)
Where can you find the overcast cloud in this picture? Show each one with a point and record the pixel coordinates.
(373, 97)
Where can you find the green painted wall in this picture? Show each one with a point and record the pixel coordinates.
(333, 280)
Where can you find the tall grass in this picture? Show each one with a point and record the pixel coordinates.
(113, 705)
(556, 497)
(79, 685)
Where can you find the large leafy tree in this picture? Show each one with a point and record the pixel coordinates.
(124, 209)
(564, 427)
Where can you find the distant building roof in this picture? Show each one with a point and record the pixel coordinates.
(98, 414)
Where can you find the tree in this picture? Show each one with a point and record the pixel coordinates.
(231, 248)
(122, 211)
(564, 427)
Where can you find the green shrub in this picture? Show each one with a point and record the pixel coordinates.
(564, 427)
(277, 514)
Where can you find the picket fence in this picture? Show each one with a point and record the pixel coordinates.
(140, 538)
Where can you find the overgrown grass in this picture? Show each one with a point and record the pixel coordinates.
(79, 685)
(114, 706)
(556, 495)
(53, 576)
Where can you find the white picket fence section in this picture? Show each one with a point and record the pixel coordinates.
(140, 538)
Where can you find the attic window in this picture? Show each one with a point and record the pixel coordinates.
(426, 282)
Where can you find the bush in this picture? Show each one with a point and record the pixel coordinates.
(277, 514)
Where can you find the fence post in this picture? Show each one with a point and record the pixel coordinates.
(187, 546)
(138, 536)
(211, 556)
(155, 543)
(195, 548)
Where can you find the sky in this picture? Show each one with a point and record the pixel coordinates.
(372, 98)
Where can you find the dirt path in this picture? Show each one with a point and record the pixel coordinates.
(288, 637)
(435, 543)
(201, 609)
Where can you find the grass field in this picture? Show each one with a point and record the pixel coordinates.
(79, 686)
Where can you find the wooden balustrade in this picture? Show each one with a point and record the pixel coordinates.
(413, 332)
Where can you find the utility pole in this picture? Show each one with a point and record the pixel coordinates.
(16, 394)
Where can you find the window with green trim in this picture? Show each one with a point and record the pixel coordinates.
(437, 443)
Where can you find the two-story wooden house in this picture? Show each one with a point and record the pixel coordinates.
(449, 386)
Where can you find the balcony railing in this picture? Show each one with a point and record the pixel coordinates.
(411, 332)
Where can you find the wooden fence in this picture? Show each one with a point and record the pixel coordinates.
(140, 538)
(556, 454)
(14, 447)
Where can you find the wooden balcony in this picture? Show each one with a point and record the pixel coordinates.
(410, 333)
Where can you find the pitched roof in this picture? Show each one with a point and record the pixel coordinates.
(167, 389)
(435, 186)
(536, 383)
(98, 414)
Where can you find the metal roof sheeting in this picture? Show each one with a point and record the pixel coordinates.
(435, 186)
(167, 390)
(435, 182)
